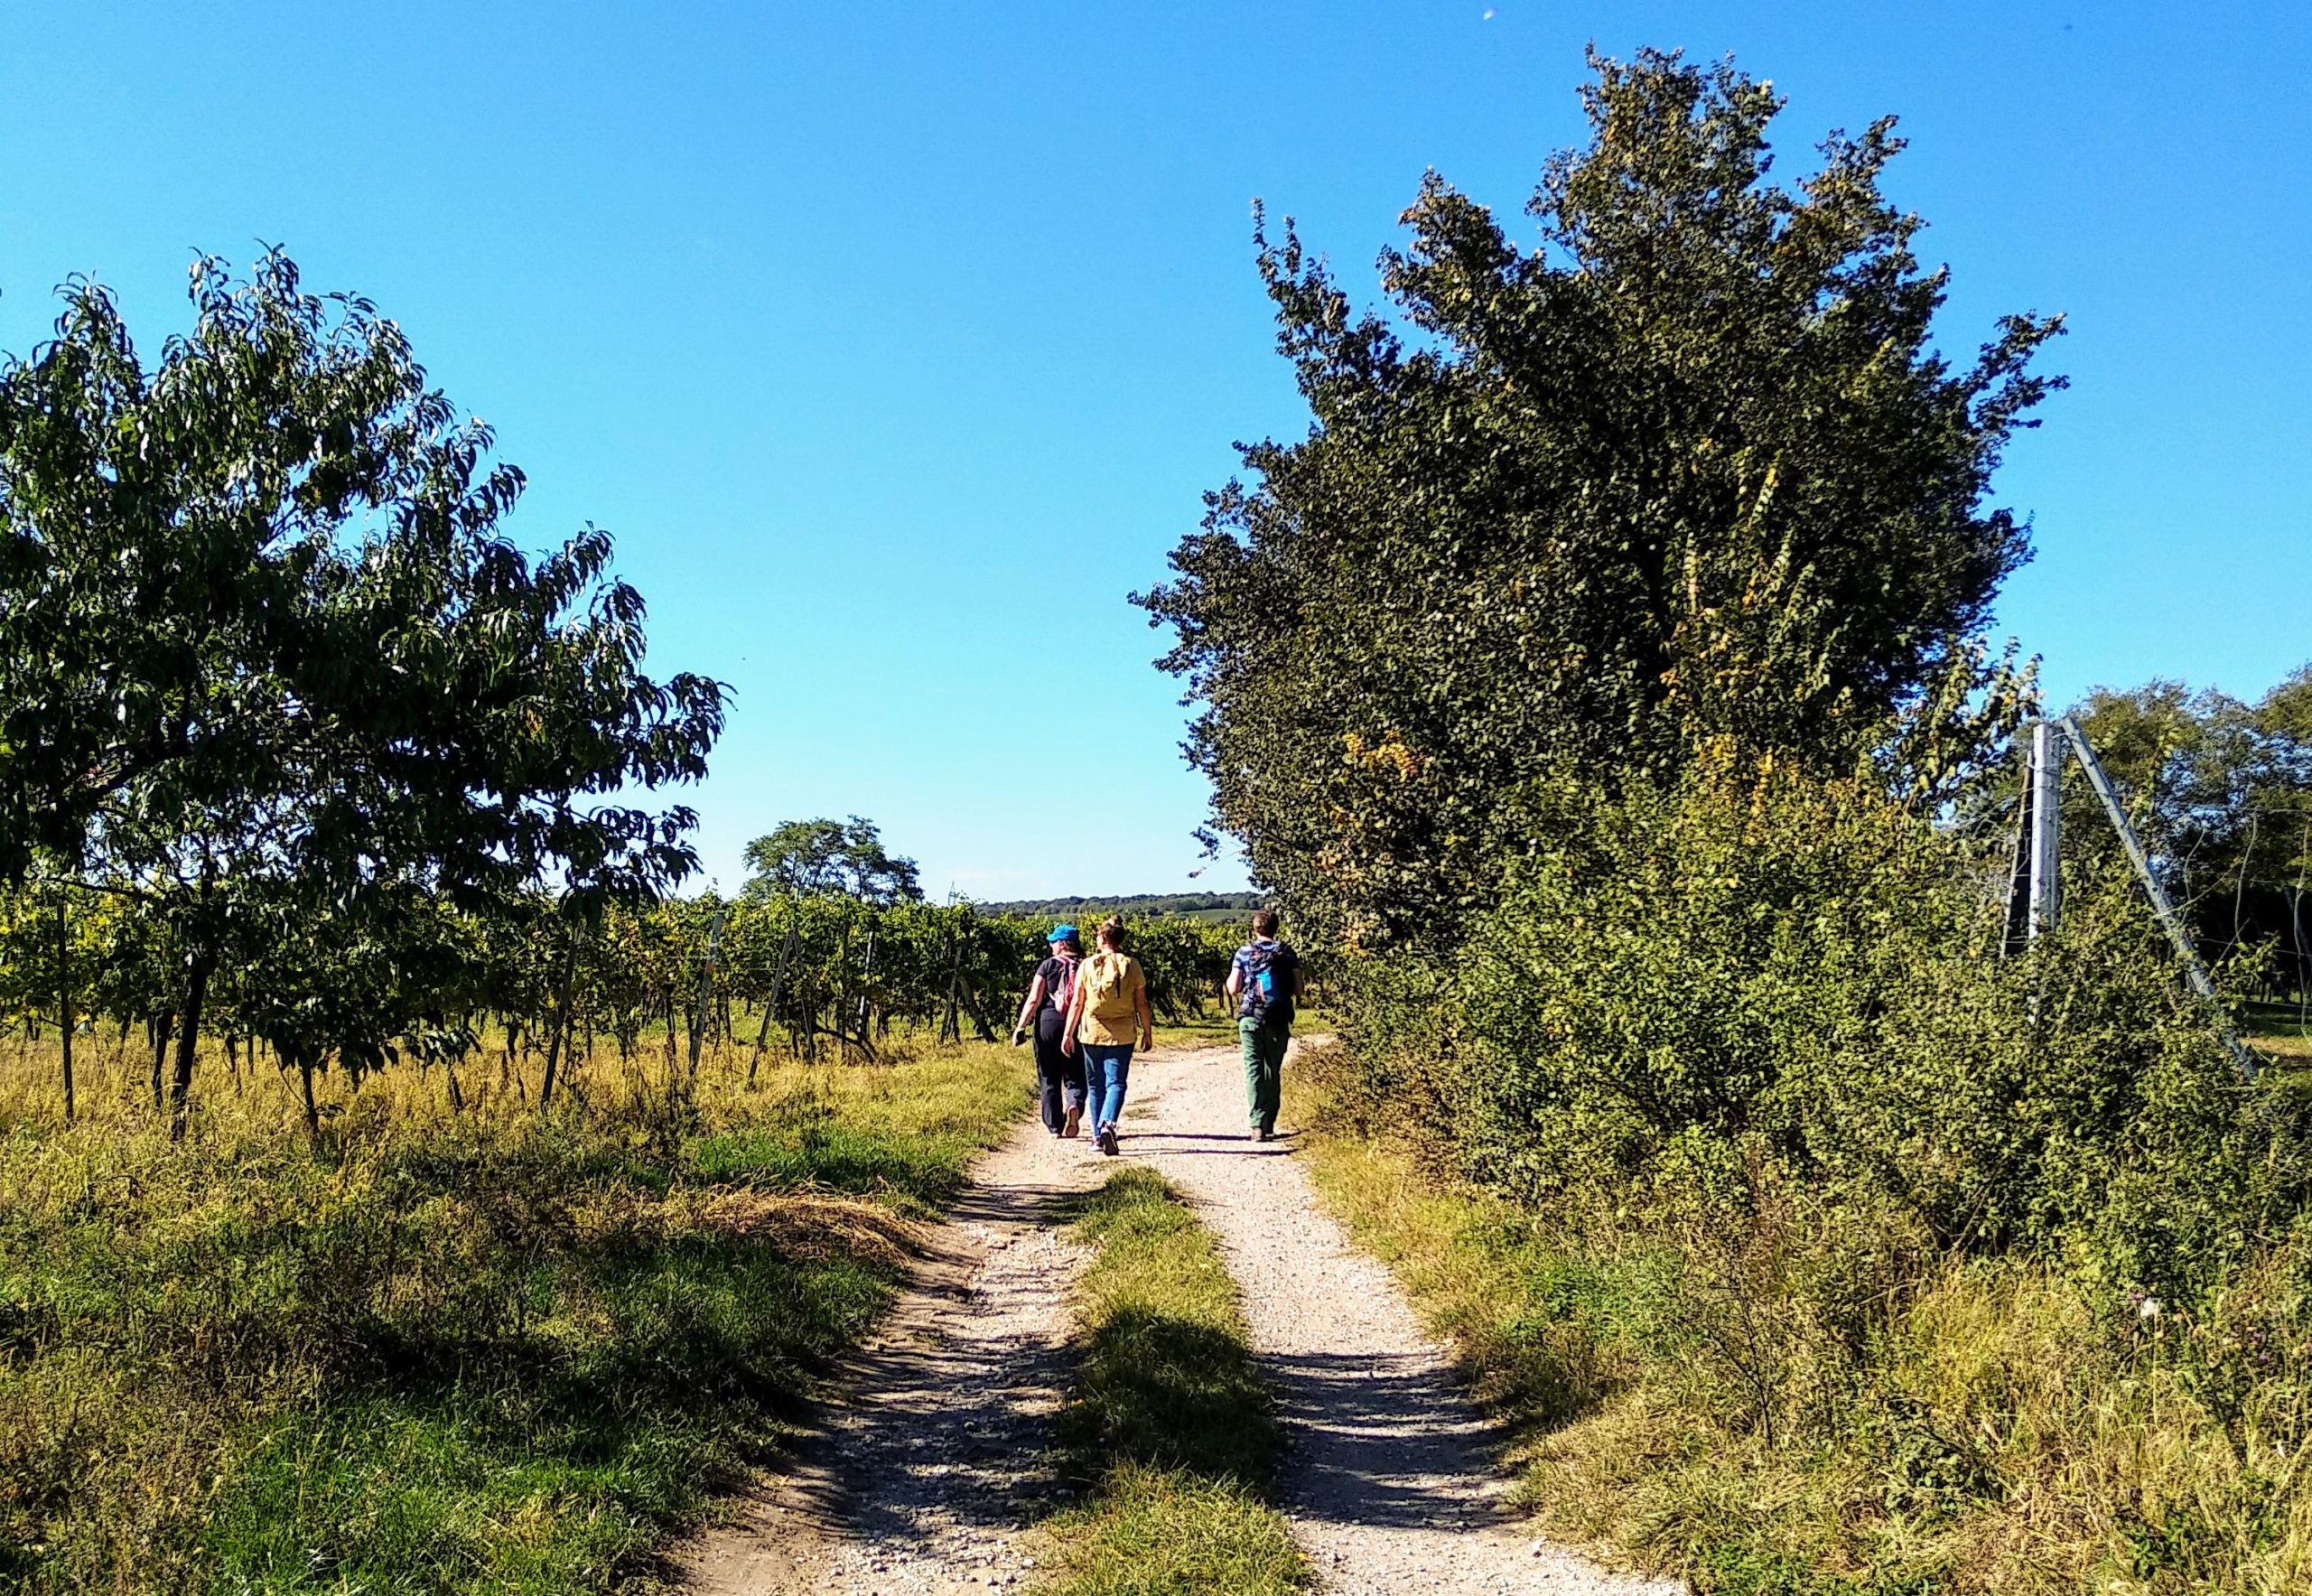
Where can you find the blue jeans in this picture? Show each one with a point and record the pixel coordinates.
(1105, 1069)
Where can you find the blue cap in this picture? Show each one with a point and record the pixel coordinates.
(1062, 933)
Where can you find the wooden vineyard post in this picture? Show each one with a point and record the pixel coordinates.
(770, 1009)
(951, 1025)
(553, 1041)
(705, 990)
(866, 977)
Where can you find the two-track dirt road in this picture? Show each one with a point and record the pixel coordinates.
(925, 1476)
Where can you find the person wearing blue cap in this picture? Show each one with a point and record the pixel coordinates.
(1059, 1073)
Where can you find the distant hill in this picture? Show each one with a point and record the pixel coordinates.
(1197, 906)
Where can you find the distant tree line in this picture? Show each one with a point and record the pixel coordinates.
(1148, 905)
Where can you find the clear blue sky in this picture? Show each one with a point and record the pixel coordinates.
(896, 341)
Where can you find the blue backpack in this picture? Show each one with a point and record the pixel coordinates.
(1270, 969)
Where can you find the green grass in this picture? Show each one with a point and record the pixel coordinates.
(2279, 1030)
(480, 1352)
(1169, 1437)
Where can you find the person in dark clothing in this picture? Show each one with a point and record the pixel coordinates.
(1043, 1015)
(1265, 980)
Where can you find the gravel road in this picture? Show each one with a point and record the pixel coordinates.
(925, 1476)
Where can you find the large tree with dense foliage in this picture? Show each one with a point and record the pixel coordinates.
(819, 857)
(2221, 791)
(269, 667)
(1690, 467)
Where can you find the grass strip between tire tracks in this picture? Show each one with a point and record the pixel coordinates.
(1170, 1435)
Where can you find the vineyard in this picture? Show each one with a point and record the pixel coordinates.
(541, 1007)
(406, 1186)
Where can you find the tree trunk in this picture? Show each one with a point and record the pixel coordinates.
(312, 1109)
(64, 1001)
(196, 997)
(561, 1026)
(163, 1024)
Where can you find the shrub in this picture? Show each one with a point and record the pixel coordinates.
(1695, 1001)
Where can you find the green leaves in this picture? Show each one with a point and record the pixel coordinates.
(817, 857)
(268, 667)
(1689, 469)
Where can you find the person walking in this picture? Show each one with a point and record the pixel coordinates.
(1107, 1014)
(1043, 1015)
(1265, 980)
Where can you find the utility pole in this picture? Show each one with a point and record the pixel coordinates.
(2202, 984)
(2042, 855)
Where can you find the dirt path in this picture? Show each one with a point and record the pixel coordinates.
(925, 1478)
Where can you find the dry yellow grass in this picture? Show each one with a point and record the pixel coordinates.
(436, 1349)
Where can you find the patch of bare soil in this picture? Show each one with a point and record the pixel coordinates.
(928, 1464)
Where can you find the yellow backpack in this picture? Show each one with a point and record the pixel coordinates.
(1104, 979)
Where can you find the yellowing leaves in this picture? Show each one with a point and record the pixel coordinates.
(1391, 754)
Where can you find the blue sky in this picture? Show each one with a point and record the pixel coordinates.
(896, 342)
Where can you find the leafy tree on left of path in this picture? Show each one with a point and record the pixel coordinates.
(266, 660)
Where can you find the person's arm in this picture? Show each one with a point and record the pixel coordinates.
(1235, 986)
(1028, 1009)
(1147, 1022)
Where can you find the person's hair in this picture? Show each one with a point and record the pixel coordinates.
(1263, 922)
(1112, 933)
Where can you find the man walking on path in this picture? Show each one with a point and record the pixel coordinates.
(1265, 980)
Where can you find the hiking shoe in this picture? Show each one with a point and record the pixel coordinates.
(1108, 1140)
(1262, 1133)
(1074, 1121)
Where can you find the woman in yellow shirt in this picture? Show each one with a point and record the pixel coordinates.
(1108, 1012)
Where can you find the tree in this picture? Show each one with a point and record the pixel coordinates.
(2221, 791)
(267, 662)
(1688, 471)
(817, 857)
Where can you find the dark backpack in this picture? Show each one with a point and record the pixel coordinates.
(1270, 975)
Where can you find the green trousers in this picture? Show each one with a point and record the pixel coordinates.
(1263, 1068)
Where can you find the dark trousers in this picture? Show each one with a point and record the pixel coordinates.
(1264, 1048)
(1059, 1080)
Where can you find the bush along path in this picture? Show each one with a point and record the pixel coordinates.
(939, 1469)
